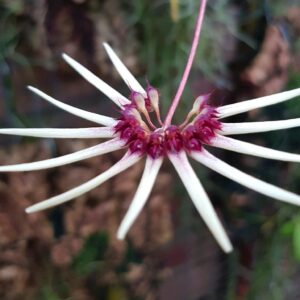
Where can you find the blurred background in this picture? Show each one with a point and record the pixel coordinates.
(248, 48)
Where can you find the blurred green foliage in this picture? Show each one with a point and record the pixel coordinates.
(91, 255)
(165, 44)
(279, 8)
(11, 31)
(49, 294)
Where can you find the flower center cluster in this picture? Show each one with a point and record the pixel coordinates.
(144, 137)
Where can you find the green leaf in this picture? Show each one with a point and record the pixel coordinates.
(49, 294)
(91, 255)
(287, 228)
(296, 239)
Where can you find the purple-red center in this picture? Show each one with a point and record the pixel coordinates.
(143, 136)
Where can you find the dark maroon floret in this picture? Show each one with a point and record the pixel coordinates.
(206, 125)
(192, 141)
(126, 121)
(189, 132)
(155, 147)
(121, 125)
(138, 145)
(207, 122)
(138, 133)
(193, 144)
(173, 139)
(127, 133)
(205, 134)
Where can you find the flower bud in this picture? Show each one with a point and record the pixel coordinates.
(153, 96)
(139, 100)
(200, 102)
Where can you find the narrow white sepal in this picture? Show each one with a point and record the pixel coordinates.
(98, 83)
(251, 149)
(99, 149)
(253, 127)
(74, 133)
(200, 199)
(103, 120)
(249, 181)
(129, 79)
(237, 108)
(142, 194)
(127, 161)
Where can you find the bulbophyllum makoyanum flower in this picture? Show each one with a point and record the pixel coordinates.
(137, 132)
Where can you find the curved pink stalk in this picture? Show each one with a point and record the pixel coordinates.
(188, 65)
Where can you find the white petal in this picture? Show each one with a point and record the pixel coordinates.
(98, 83)
(74, 133)
(249, 181)
(129, 79)
(99, 149)
(251, 149)
(149, 175)
(103, 120)
(200, 199)
(237, 108)
(127, 161)
(252, 127)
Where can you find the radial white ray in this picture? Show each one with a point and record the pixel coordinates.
(98, 83)
(127, 161)
(99, 149)
(129, 79)
(148, 178)
(103, 120)
(252, 127)
(251, 149)
(200, 199)
(74, 133)
(237, 108)
(249, 181)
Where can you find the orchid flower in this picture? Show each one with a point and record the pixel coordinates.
(141, 132)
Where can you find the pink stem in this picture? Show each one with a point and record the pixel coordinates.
(188, 65)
